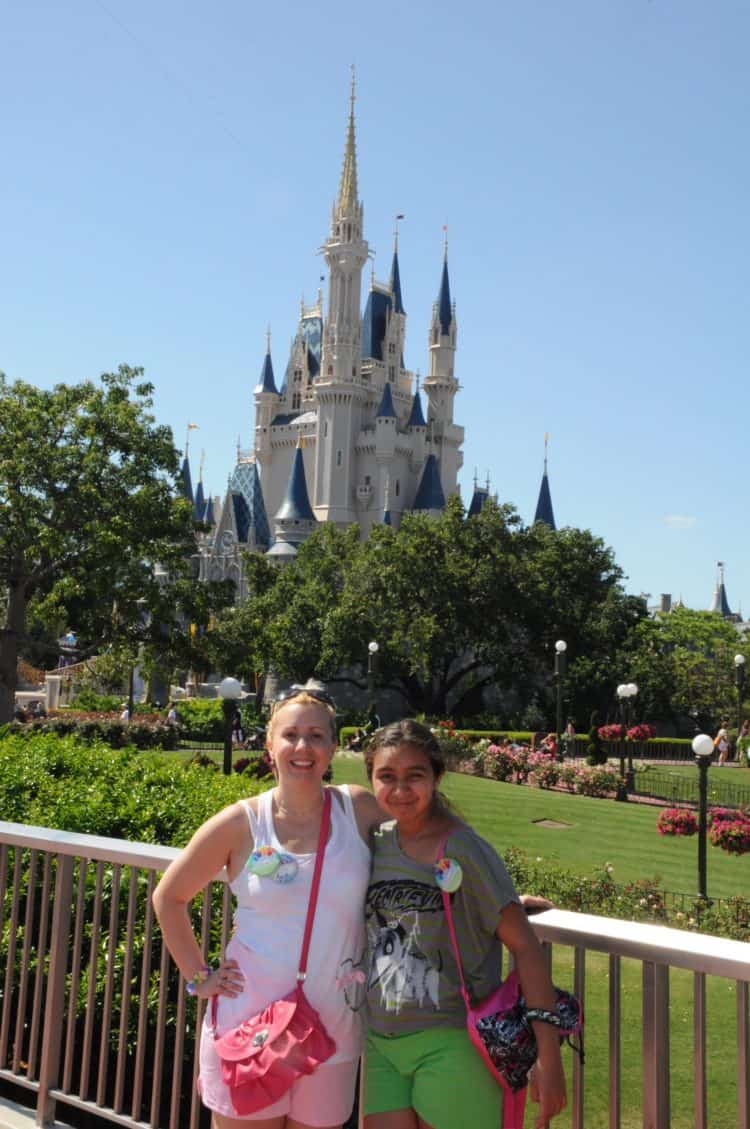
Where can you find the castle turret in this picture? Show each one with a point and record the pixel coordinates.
(441, 385)
(720, 603)
(430, 497)
(295, 520)
(544, 512)
(338, 387)
(266, 405)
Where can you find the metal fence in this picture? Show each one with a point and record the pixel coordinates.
(94, 1017)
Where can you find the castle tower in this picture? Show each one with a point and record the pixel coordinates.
(441, 385)
(544, 512)
(339, 387)
(720, 603)
(266, 406)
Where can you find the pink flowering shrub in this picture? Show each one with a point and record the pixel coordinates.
(676, 821)
(544, 768)
(596, 780)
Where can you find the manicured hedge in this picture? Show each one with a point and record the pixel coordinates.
(144, 732)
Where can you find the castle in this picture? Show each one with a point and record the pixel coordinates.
(348, 435)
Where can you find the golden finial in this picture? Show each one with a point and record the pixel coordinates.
(203, 459)
(546, 444)
(445, 241)
(268, 338)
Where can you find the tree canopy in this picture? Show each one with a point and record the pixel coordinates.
(683, 662)
(456, 604)
(88, 506)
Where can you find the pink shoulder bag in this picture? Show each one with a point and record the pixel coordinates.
(266, 1054)
(500, 1027)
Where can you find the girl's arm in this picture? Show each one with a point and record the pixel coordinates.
(210, 850)
(518, 937)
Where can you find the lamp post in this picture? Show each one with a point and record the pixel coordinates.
(230, 691)
(372, 650)
(626, 693)
(703, 748)
(739, 677)
(560, 648)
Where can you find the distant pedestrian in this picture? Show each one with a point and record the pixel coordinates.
(721, 742)
(569, 739)
(743, 742)
(172, 714)
(125, 715)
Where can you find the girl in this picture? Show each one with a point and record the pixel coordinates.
(260, 965)
(421, 1070)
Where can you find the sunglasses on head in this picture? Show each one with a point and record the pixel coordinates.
(295, 690)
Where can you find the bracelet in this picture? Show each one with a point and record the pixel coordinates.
(545, 1016)
(191, 986)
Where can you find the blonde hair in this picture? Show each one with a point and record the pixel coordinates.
(303, 698)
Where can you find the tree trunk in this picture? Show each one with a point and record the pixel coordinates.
(10, 635)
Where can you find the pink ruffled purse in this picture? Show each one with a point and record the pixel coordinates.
(266, 1054)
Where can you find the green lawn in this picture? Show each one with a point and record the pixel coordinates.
(595, 832)
(598, 832)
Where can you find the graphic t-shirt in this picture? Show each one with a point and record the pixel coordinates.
(413, 979)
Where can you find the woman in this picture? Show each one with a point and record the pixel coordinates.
(721, 742)
(260, 963)
(421, 1069)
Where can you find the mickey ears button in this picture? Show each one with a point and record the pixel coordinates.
(448, 874)
(263, 861)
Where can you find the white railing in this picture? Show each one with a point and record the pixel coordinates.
(94, 1017)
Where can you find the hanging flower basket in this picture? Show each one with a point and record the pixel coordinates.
(676, 821)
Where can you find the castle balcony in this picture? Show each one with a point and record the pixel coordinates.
(94, 1018)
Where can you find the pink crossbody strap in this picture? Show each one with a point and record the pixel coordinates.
(325, 823)
(451, 926)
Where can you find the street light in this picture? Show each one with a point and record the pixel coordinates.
(703, 748)
(626, 693)
(372, 650)
(739, 677)
(231, 691)
(560, 648)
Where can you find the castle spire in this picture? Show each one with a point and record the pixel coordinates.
(544, 511)
(398, 302)
(347, 201)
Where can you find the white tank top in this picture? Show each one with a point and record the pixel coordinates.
(270, 920)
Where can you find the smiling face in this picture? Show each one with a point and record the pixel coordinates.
(300, 743)
(404, 783)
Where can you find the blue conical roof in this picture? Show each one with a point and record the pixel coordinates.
(386, 409)
(199, 505)
(478, 498)
(245, 480)
(445, 310)
(398, 302)
(296, 505)
(267, 382)
(377, 309)
(430, 494)
(186, 481)
(544, 512)
(416, 418)
(208, 513)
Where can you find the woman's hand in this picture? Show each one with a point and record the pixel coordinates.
(547, 1087)
(226, 980)
(535, 903)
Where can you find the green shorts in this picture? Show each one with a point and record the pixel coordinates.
(436, 1072)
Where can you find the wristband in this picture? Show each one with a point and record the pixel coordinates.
(191, 986)
(545, 1016)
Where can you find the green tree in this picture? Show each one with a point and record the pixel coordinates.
(88, 505)
(683, 662)
(456, 604)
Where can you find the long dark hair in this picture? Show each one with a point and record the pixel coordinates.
(414, 733)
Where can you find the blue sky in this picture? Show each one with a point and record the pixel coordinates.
(168, 175)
